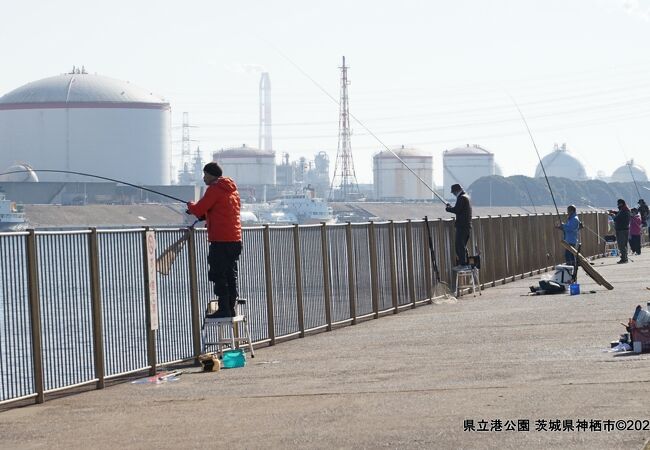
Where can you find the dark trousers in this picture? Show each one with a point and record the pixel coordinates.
(635, 243)
(222, 259)
(621, 240)
(460, 244)
(569, 259)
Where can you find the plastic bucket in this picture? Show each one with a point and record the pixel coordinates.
(574, 289)
(233, 359)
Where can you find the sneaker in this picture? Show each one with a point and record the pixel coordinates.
(622, 261)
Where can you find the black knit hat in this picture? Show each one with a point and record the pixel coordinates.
(213, 169)
(456, 188)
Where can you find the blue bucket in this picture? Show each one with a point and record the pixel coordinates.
(574, 289)
(233, 359)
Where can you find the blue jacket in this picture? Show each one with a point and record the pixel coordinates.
(571, 228)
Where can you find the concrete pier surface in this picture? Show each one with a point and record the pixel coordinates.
(416, 379)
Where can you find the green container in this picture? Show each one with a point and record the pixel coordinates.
(234, 358)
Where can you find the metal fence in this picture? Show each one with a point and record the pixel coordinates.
(76, 307)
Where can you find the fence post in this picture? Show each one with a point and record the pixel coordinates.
(96, 295)
(599, 234)
(194, 293)
(269, 284)
(427, 261)
(374, 272)
(409, 262)
(352, 293)
(35, 315)
(327, 284)
(506, 249)
(490, 251)
(297, 264)
(151, 302)
(393, 265)
(514, 236)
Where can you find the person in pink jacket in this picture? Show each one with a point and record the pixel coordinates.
(635, 231)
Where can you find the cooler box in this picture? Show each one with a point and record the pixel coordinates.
(563, 274)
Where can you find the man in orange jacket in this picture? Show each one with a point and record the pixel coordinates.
(220, 206)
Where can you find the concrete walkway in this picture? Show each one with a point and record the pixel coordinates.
(409, 380)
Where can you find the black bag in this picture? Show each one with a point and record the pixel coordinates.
(551, 287)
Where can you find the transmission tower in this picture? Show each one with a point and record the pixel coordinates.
(344, 186)
(185, 175)
(185, 142)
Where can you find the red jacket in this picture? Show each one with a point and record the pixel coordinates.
(220, 205)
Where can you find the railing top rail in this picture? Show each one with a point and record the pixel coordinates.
(122, 230)
(14, 233)
(61, 232)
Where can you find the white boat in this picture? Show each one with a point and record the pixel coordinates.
(11, 215)
(305, 208)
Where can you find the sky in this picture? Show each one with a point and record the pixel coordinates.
(433, 74)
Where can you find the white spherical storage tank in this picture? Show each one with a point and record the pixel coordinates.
(247, 166)
(464, 165)
(392, 180)
(561, 163)
(629, 172)
(87, 123)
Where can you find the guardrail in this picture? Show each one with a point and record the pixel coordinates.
(75, 306)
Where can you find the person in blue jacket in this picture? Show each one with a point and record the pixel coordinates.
(570, 230)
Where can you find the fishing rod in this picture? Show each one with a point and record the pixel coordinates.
(629, 166)
(538, 157)
(95, 176)
(368, 130)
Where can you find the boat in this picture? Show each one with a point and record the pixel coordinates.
(12, 216)
(306, 208)
(299, 208)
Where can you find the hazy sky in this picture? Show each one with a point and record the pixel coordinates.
(430, 74)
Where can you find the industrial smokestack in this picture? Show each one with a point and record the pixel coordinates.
(265, 140)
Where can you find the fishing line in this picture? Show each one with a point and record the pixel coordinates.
(322, 89)
(530, 197)
(95, 176)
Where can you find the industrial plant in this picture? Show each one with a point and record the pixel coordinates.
(79, 122)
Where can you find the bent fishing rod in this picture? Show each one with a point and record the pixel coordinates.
(629, 166)
(368, 130)
(126, 183)
(548, 183)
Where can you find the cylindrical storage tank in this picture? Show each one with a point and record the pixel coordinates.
(464, 165)
(392, 180)
(629, 172)
(561, 163)
(87, 123)
(247, 166)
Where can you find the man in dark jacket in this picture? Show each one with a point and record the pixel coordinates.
(463, 211)
(220, 205)
(622, 227)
